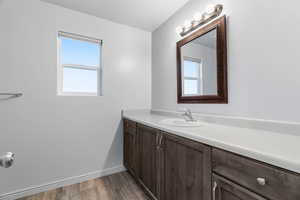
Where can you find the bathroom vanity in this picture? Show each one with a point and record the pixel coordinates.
(174, 164)
(175, 160)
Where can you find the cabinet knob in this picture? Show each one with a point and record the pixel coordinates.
(261, 181)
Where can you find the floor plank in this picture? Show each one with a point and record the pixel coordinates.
(118, 186)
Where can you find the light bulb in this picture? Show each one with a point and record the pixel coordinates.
(179, 29)
(198, 16)
(210, 9)
(187, 24)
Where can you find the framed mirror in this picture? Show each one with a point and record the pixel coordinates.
(202, 65)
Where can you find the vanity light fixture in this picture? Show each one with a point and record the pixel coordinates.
(210, 8)
(197, 17)
(211, 12)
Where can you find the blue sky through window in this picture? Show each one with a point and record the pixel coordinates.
(191, 69)
(79, 52)
(190, 87)
(80, 61)
(80, 80)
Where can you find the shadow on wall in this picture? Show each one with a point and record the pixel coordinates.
(114, 156)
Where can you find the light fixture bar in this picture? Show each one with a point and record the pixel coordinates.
(206, 17)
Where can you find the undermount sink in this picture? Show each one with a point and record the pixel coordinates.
(181, 122)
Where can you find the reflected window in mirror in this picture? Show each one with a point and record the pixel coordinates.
(192, 76)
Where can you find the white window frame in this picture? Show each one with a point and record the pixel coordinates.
(199, 78)
(60, 67)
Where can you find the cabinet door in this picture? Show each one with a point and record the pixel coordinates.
(129, 152)
(186, 169)
(274, 183)
(148, 159)
(224, 189)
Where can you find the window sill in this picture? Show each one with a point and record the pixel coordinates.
(78, 94)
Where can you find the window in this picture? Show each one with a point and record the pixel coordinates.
(79, 65)
(192, 77)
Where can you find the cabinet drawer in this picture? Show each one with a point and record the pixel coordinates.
(129, 126)
(224, 189)
(279, 184)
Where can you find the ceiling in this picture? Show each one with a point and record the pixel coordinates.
(208, 40)
(143, 14)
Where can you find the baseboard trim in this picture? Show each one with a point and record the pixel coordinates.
(60, 183)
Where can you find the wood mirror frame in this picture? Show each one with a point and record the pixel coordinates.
(222, 89)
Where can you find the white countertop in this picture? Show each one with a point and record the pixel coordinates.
(279, 149)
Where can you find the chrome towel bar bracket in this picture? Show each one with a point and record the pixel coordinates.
(11, 95)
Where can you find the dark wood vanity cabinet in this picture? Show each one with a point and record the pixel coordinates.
(263, 179)
(130, 147)
(185, 170)
(170, 167)
(223, 189)
(148, 159)
(167, 167)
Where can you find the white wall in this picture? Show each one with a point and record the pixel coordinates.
(263, 59)
(56, 137)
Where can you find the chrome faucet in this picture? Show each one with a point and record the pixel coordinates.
(188, 116)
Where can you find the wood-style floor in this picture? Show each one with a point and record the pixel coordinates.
(119, 186)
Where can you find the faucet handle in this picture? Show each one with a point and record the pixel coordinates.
(185, 110)
(188, 114)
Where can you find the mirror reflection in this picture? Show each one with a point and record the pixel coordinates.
(199, 66)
